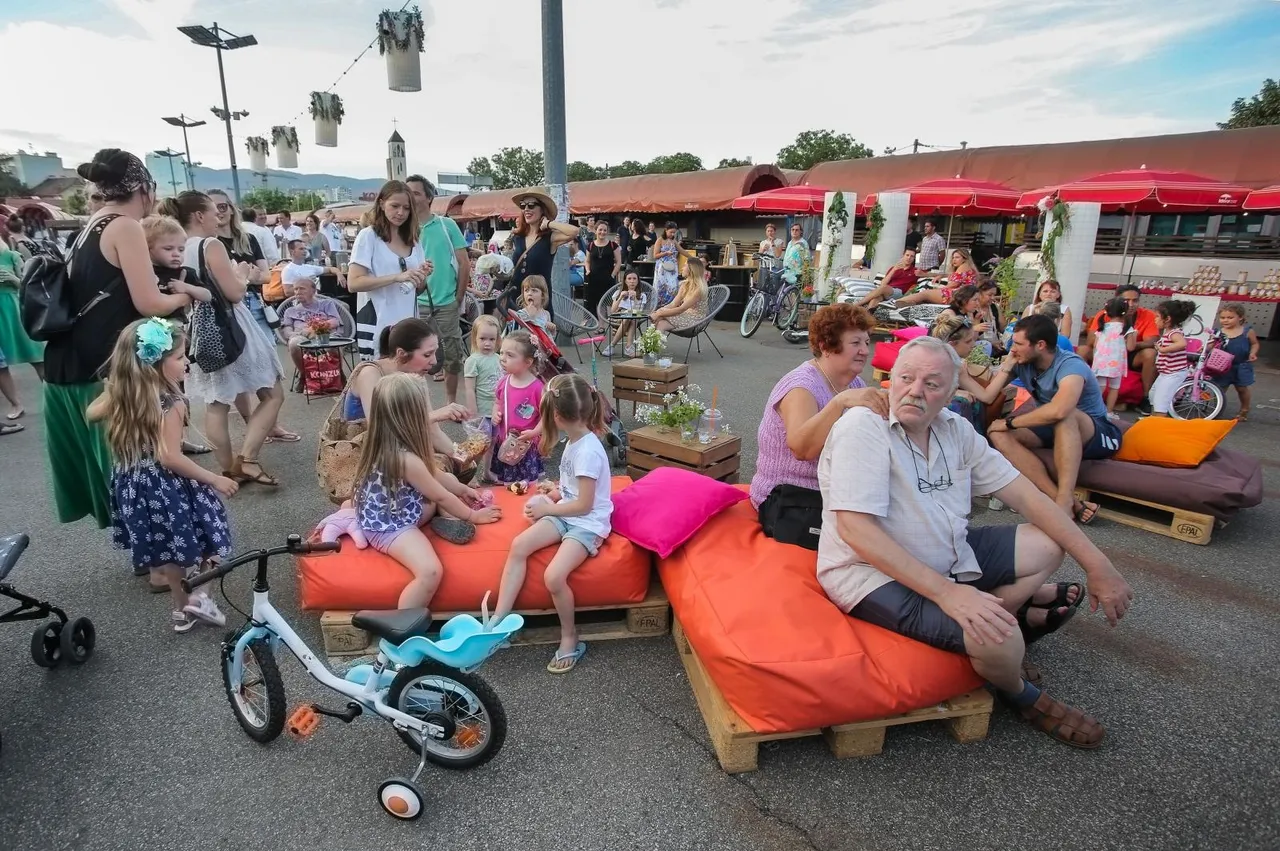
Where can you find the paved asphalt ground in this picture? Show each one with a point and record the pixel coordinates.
(138, 749)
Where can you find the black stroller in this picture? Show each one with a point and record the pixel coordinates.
(55, 641)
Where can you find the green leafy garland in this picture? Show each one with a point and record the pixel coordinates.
(256, 143)
(285, 135)
(389, 33)
(875, 221)
(327, 106)
(1049, 248)
(837, 220)
(1006, 277)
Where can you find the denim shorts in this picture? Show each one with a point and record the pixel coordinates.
(899, 609)
(590, 540)
(253, 301)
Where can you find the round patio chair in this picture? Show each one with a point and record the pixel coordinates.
(574, 320)
(717, 298)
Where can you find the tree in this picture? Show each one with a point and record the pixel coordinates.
(820, 146)
(10, 186)
(578, 170)
(308, 201)
(734, 162)
(673, 164)
(626, 168)
(511, 168)
(1258, 111)
(76, 203)
(266, 198)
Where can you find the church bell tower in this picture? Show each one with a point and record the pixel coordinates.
(397, 165)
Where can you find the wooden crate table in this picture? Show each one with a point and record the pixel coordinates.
(649, 448)
(637, 382)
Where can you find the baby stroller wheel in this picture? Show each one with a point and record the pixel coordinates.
(77, 640)
(46, 644)
(401, 798)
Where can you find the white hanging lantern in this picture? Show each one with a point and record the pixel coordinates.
(287, 147)
(257, 147)
(326, 109)
(400, 37)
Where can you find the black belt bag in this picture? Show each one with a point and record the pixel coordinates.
(792, 515)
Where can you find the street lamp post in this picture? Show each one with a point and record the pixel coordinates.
(205, 37)
(553, 132)
(173, 177)
(183, 122)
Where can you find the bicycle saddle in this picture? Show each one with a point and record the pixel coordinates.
(394, 625)
(11, 548)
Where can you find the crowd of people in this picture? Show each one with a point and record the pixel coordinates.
(175, 296)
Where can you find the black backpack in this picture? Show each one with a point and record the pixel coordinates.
(48, 310)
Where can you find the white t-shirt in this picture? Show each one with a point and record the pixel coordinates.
(266, 241)
(285, 235)
(585, 457)
(294, 271)
(333, 232)
(388, 304)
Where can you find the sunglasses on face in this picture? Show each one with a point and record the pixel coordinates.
(530, 205)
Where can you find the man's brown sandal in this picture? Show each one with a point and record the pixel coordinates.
(1064, 723)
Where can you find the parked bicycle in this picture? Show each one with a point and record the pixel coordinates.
(425, 689)
(771, 298)
(1198, 398)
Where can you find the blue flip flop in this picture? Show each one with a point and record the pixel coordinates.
(571, 658)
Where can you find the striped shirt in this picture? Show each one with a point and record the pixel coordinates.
(1170, 362)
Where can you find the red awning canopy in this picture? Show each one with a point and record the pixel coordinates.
(958, 196)
(788, 200)
(1142, 190)
(1263, 199)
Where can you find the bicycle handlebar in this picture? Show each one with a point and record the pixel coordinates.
(293, 545)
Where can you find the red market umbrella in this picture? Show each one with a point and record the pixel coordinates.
(1144, 190)
(958, 196)
(1263, 199)
(788, 200)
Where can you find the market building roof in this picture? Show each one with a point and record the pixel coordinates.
(448, 205)
(1249, 157)
(711, 189)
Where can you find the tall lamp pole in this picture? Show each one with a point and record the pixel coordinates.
(173, 177)
(220, 39)
(184, 122)
(553, 137)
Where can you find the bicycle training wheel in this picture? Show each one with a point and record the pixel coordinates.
(480, 721)
(788, 308)
(259, 702)
(752, 315)
(1197, 399)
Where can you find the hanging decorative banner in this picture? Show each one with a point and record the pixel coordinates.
(837, 236)
(257, 147)
(287, 147)
(326, 109)
(400, 38)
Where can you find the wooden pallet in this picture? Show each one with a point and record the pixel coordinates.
(648, 618)
(648, 448)
(737, 746)
(1177, 523)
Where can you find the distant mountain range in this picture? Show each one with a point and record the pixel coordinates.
(285, 181)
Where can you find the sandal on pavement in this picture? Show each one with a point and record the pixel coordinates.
(452, 530)
(284, 437)
(1064, 723)
(190, 448)
(563, 663)
(1064, 589)
(11, 428)
(262, 477)
(1085, 513)
(15, 414)
(1054, 619)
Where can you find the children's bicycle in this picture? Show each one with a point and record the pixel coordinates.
(425, 689)
(1198, 398)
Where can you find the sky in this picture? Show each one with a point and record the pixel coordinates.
(718, 78)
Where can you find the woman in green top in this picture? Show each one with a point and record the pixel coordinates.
(15, 346)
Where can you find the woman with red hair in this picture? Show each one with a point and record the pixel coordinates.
(802, 408)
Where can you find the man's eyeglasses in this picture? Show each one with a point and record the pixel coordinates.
(530, 205)
(922, 484)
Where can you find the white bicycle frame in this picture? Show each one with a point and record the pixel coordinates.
(269, 623)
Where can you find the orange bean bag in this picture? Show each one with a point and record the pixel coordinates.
(367, 579)
(781, 653)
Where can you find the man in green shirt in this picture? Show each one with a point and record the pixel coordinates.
(444, 245)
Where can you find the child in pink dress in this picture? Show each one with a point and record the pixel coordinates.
(517, 399)
(1111, 353)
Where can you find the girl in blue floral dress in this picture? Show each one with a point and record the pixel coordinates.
(166, 508)
(666, 266)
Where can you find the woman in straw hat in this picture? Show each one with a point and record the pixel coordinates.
(537, 237)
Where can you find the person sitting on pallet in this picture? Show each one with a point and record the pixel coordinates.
(905, 558)
(1071, 416)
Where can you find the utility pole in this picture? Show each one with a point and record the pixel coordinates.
(553, 142)
(226, 111)
(915, 146)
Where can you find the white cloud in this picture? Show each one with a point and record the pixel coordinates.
(644, 77)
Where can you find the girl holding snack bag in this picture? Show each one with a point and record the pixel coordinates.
(518, 398)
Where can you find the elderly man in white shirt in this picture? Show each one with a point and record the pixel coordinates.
(900, 553)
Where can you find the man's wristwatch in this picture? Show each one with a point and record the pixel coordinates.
(1008, 423)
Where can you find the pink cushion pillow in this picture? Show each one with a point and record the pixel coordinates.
(665, 508)
(910, 333)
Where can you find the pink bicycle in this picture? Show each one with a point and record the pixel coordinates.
(1198, 398)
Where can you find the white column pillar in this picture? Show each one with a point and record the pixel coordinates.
(895, 206)
(1073, 255)
(837, 237)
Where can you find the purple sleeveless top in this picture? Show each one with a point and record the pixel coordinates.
(775, 465)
